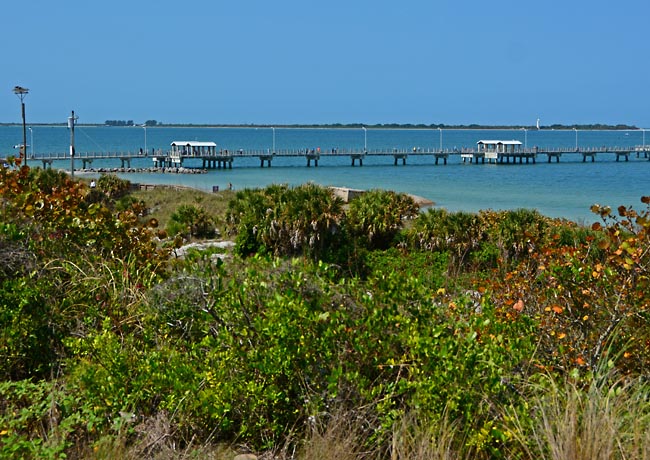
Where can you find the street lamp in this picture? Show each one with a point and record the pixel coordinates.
(31, 139)
(365, 139)
(21, 93)
(273, 128)
(144, 126)
(643, 132)
(440, 131)
(576, 138)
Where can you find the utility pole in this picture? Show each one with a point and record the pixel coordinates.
(71, 122)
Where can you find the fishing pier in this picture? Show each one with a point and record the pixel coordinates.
(486, 151)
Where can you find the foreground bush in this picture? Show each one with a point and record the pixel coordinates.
(73, 252)
(591, 298)
(304, 220)
(105, 345)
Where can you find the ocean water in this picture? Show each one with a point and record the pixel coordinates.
(566, 189)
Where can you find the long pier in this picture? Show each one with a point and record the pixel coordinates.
(226, 158)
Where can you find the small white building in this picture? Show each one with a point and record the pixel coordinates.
(184, 149)
(492, 149)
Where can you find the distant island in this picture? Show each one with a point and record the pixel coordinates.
(157, 124)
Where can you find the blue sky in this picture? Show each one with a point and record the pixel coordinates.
(340, 61)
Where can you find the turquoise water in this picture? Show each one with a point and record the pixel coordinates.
(567, 189)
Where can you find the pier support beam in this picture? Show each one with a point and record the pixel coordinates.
(355, 157)
(443, 156)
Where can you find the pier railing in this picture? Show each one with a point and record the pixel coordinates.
(225, 157)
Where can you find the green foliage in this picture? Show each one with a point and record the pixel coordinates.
(439, 230)
(286, 221)
(488, 239)
(590, 297)
(279, 343)
(101, 337)
(35, 420)
(113, 186)
(192, 221)
(376, 216)
(63, 242)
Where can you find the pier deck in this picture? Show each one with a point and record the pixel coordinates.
(225, 158)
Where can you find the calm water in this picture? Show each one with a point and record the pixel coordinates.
(567, 189)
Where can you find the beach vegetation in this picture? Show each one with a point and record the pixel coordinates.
(364, 330)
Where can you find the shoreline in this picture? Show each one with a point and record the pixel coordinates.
(405, 126)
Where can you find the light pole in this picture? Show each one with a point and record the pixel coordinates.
(576, 138)
(643, 132)
(144, 126)
(525, 138)
(273, 151)
(440, 131)
(365, 139)
(71, 121)
(21, 93)
(31, 139)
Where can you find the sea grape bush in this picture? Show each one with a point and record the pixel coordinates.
(66, 242)
(590, 298)
(449, 316)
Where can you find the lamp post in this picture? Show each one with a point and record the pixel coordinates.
(144, 126)
(643, 132)
(273, 151)
(440, 131)
(576, 138)
(365, 139)
(71, 121)
(21, 93)
(31, 140)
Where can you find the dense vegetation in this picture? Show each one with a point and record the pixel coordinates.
(365, 330)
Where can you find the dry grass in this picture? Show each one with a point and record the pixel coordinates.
(164, 201)
(610, 419)
(413, 439)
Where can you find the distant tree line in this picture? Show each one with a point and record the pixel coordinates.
(584, 127)
(119, 123)
(130, 123)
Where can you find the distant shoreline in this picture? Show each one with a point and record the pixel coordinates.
(406, 126)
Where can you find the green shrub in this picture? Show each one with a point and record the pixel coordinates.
(190, 220)
(375, 217)
(304, 220)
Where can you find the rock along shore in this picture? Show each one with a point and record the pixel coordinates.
(171, 170)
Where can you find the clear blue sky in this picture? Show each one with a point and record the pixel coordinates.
(339, 61)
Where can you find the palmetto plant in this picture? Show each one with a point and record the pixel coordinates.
(284, 220)
(378, 215)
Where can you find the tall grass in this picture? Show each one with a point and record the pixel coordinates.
(162, 202)
(604, 420)
(607, 419)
